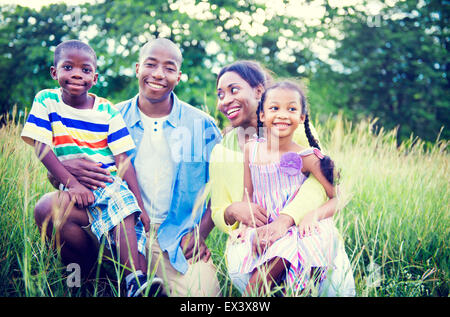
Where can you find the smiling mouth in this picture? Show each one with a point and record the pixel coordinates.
(232, 112)
(281, 125)
(155, 85)
(76, 84)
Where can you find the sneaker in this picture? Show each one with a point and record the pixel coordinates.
(156, 288)
(138, 286)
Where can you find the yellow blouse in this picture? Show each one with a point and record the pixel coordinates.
(226, 172)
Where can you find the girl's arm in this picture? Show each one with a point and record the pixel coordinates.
(127, 173)
(309, 221)
(248, 185)
(83, 197)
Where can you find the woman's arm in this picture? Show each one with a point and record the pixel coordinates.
(226, 178)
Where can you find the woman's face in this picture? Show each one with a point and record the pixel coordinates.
(237, 100)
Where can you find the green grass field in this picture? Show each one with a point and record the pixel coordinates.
(396, 216)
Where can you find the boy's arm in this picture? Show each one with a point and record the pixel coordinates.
(128, 174)
(83, 197)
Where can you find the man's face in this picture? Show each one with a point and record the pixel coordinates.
(158, 72)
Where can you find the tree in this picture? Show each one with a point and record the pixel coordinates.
(25, 51)
(395, 66)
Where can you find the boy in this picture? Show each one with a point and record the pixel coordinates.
(78, 124)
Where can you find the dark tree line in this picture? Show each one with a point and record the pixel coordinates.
(392, 65)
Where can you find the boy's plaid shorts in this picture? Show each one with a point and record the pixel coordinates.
(113, 204)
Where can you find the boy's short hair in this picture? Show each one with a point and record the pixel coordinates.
(73, 44)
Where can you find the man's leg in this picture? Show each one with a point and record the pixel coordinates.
(51, 213)
(199, 281)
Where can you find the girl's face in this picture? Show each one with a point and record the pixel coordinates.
(237, 100)
(282, 112)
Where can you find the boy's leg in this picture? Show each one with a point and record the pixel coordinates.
(125, 236)
(52, 212)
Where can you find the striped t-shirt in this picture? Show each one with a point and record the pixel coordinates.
(97, 134)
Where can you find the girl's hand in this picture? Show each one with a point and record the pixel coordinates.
(308, 225)
(82, 196)
(266, 235)
(253, 216)
(88, 173)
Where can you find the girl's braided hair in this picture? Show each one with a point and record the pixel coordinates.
(326, 164)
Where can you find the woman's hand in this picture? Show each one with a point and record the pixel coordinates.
(266, 235)
(88, 173)
(249, 214)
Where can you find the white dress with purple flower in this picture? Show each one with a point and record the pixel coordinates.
(274, 186)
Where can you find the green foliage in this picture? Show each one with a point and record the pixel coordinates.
(393, 65)
(395, 218)
(25, 51)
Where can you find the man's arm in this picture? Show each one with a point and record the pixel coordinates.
(83, 197)
(88, 173)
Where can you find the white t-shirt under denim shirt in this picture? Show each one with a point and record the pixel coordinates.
(154, 158)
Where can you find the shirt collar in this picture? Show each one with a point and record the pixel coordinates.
(173, 118)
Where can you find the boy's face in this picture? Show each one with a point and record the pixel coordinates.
(158, 73)
(75, 72)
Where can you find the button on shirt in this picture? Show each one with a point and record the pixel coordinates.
(154, 158)
(191, 135)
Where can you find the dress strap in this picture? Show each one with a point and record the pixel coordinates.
(253, 151)
(312, 150)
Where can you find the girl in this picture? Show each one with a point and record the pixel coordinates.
(274, 170)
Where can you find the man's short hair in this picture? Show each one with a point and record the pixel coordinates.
(163, 42)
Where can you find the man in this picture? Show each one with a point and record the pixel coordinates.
(173, 143)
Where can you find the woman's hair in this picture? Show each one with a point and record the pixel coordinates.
(326, 164)
(250, 71)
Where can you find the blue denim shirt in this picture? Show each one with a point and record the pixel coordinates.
(191, 135)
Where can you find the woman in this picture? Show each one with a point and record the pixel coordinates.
(239, 88)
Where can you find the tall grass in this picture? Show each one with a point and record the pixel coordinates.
(395, 223)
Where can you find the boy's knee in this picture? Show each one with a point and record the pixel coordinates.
(43, 208)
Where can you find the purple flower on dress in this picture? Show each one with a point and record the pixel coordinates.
(291, 163)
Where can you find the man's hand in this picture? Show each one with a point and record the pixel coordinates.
(88, 173)
(194, 246)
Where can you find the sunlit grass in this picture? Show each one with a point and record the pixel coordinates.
(395, 220)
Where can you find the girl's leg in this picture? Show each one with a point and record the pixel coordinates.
(125, 235)
(269, 272)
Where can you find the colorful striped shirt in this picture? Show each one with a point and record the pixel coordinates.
(96, 134)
